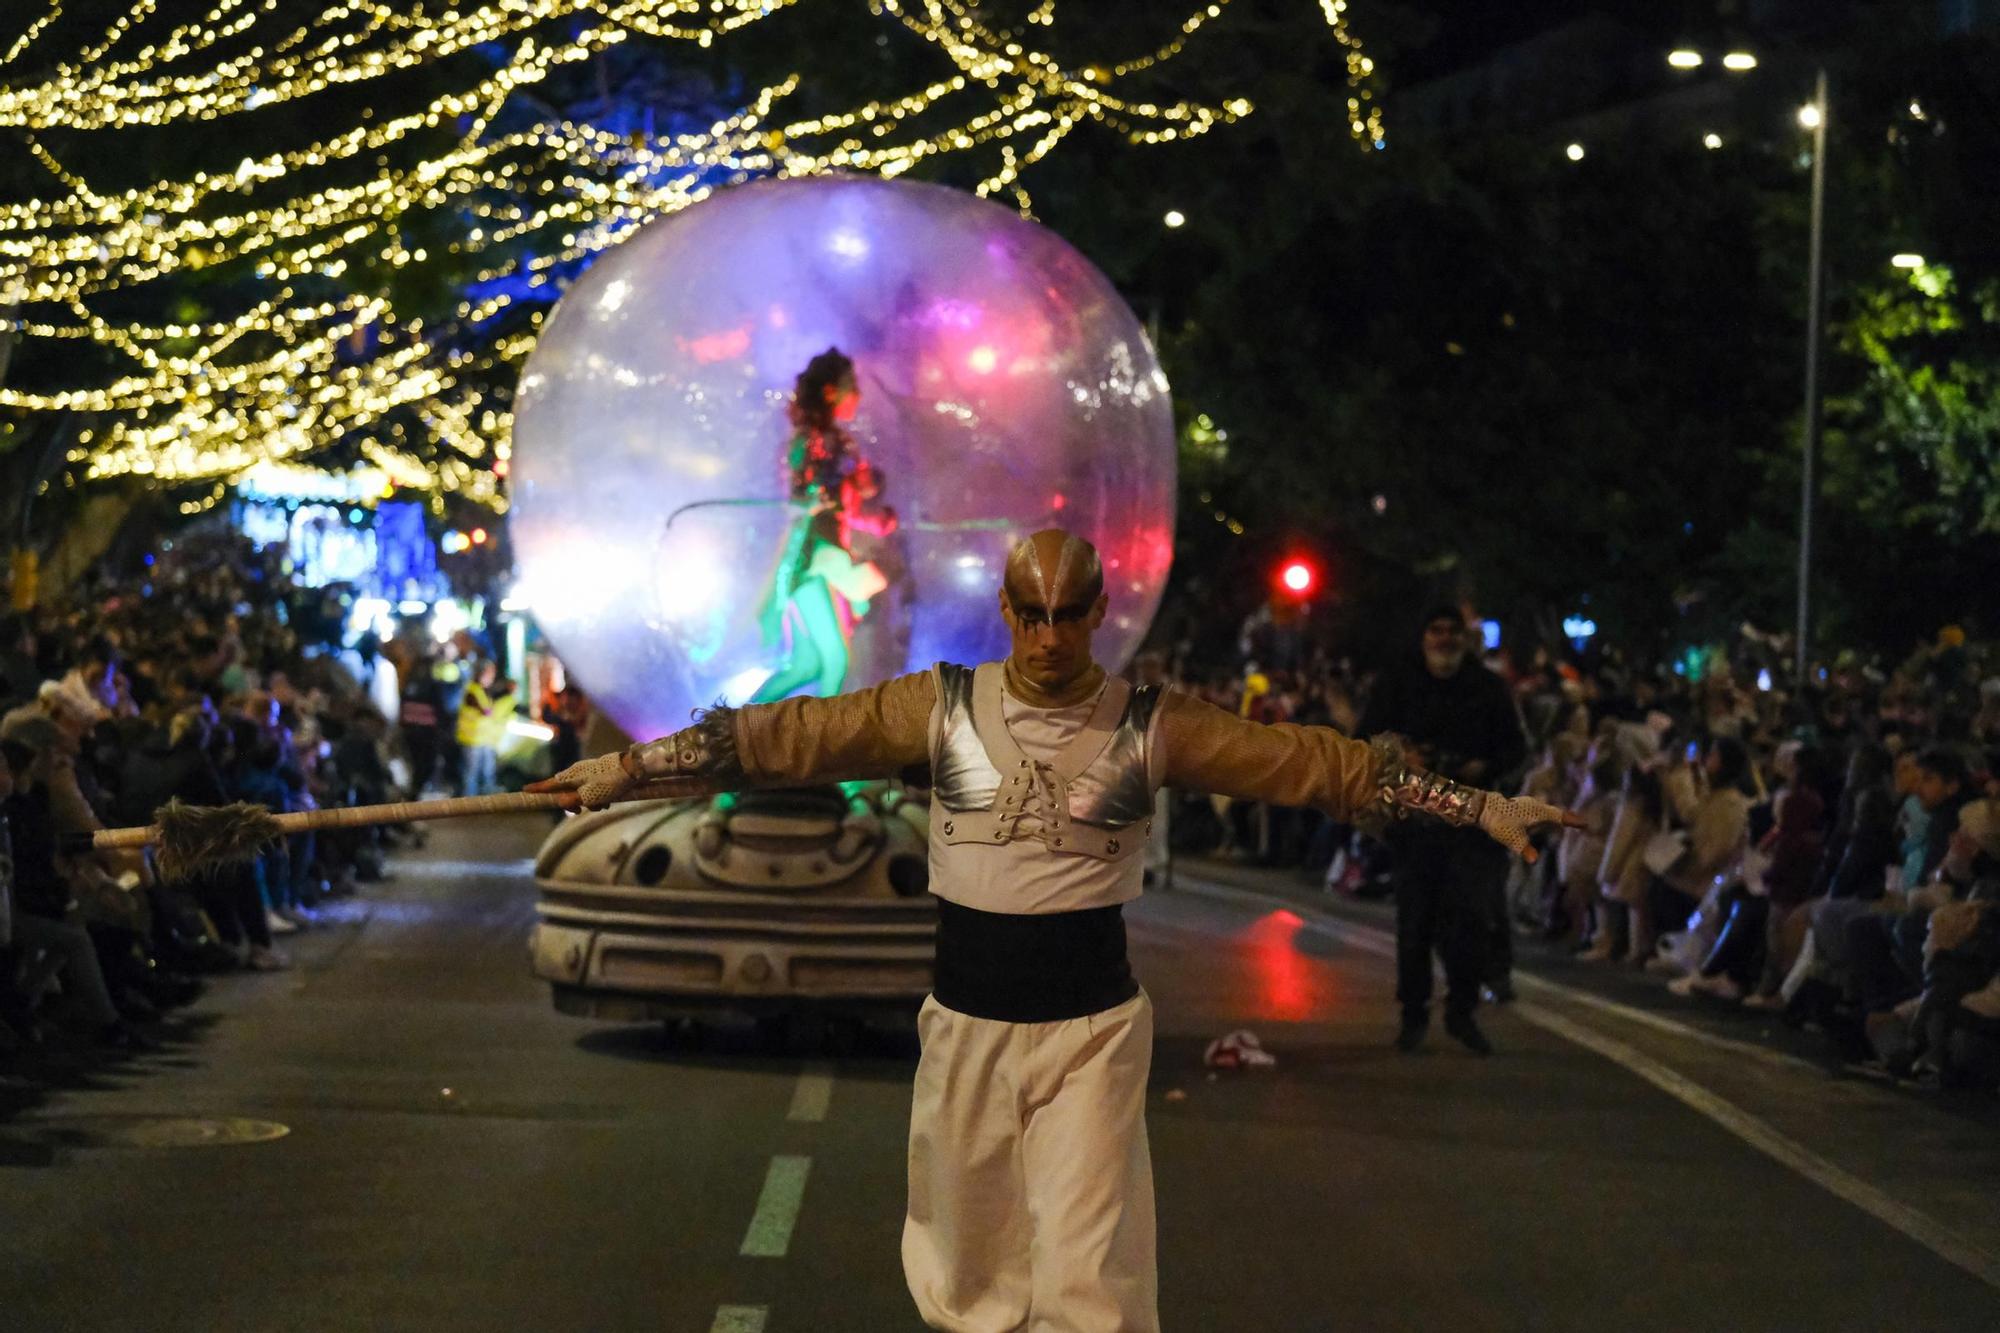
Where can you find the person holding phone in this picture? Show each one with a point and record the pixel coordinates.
(1707, 796)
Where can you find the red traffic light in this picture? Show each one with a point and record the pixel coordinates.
(1297, 577)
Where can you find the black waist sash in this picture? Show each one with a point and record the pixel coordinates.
(1031, 968)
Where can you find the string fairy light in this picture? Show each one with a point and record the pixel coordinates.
(319, 354)
(29, 35)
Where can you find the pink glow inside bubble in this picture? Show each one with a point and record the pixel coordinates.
(1005, 387)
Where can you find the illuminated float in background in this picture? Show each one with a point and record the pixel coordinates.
(666, 512)
(1005, 386)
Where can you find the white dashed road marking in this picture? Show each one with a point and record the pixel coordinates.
(770, 1233)
(813, 1091)
(739, 1319)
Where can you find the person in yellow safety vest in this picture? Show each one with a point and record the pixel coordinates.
(483, 715)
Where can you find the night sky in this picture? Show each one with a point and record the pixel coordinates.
(1432, 37)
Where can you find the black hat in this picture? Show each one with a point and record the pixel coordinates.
(1444, 611)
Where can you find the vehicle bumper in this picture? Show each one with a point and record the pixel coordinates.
(626, 952)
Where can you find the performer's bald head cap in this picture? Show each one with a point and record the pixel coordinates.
(1054, 569)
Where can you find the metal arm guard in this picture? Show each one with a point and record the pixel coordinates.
(705, 750)
(1402, 789)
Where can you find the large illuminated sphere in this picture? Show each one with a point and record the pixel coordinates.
(1005, 387)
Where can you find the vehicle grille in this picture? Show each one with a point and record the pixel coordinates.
(647, 969)
(859, 974)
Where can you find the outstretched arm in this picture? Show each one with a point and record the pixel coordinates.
(1212, 750)
(869, 733)
(1369, 782)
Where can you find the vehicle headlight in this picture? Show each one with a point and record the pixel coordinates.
(652, 865)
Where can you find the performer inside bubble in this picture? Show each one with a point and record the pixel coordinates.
(820, 591)
(1004, 385)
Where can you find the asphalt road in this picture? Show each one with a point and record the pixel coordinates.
(459, 1156)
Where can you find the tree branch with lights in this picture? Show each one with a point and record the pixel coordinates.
(364, 293)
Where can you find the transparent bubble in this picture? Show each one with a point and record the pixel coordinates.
(1005, 387)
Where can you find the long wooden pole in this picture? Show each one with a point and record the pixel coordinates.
(403, 812)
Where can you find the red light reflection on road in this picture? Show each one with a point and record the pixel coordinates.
(1283, 976)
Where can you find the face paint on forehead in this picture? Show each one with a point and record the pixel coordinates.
(1070, 547)
(1041, 574)
(1029, 576)
(1079, 578)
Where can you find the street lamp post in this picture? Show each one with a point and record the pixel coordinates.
(1814, 117)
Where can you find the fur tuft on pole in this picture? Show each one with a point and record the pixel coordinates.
(194, 838)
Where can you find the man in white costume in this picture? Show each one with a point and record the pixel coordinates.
(1030, 1182)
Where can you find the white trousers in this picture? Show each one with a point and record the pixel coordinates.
(1031, 1187)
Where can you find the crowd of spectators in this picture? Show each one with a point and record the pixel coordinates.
(1828, 851)
(454, 709)
(208, 679)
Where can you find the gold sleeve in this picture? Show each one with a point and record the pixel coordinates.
(872, 733)
(1214, 751)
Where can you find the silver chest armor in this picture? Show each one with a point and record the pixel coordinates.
(1092, 794)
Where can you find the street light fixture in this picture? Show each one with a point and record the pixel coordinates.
(1174, 218)
(1811, 117)
(1711, 140)
(1736, 62)
(1908, 261)
(1574, 152)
